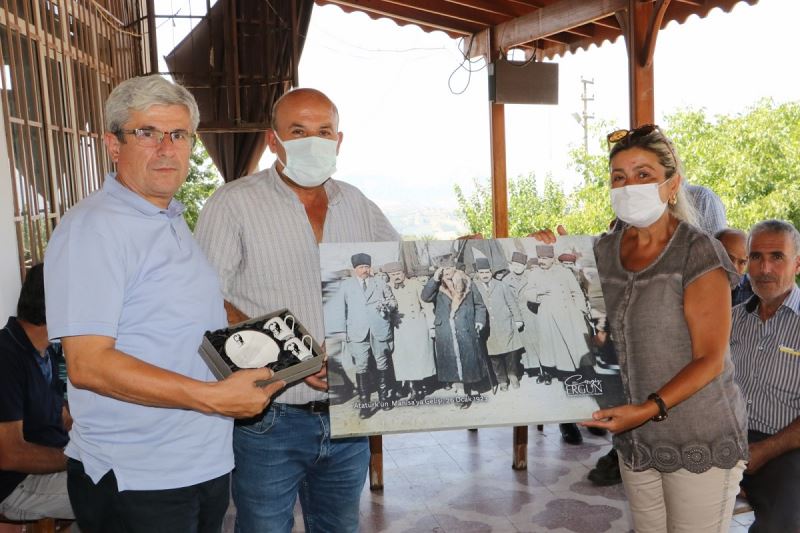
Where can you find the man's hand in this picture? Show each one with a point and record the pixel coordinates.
(437, 276)
(600, 338)
(478, 327)
(319, 381)
(432, 333)
(547, 236)
(520, 325)
(761, 453)
(238, 396)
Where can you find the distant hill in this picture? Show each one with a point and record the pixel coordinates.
(427, 222)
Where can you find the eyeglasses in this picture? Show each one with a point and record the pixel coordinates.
(636, 133)
(151, 138)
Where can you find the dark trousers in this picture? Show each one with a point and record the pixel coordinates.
(505, 366)
(773, 492)
(102, 508)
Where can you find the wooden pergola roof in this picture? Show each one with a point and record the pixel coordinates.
(552, 27)
(548, 28)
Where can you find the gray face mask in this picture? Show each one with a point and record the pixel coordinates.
(310, 161)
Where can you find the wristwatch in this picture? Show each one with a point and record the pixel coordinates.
(662, 408)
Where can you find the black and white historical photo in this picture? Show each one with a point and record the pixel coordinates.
(425, 335)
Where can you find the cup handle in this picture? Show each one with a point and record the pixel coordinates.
(288, 324)
(310, 342)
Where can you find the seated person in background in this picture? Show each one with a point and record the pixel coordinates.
(765, 348)
(735, 243)
(33, 416)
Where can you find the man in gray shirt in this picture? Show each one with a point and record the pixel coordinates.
(261, 233)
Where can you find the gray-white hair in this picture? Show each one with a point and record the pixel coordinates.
(776, 226)
(138, 94)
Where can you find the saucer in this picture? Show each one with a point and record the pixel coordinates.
(251, 349)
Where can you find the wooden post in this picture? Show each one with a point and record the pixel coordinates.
(642, 21)
(376, 462)
(499, 179)
(520, 448)
(152, 41)
(497, 121)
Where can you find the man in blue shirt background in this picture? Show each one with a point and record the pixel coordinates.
(33, 417)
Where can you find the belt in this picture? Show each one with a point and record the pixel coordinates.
(316, 407)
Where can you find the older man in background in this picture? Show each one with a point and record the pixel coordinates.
(735, 243)
(765, 349)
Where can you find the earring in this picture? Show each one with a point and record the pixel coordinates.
(674, 200)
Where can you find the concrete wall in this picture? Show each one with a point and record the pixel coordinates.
(9, 257)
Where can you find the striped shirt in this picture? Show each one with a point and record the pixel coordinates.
(767, 360)
(256, 234)
(710, 209)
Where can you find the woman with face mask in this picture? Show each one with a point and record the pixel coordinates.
(681, 438)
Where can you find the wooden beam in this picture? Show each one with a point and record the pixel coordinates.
(609, 22)
(399, 11)
(637, 27)
(555, 18)
(508, 9)
(652, 32)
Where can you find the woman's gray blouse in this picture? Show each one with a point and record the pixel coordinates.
(651, 336)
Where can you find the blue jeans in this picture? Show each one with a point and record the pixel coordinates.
(290, 451)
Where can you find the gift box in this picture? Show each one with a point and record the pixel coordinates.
(275, 340)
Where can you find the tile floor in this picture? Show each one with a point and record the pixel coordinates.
(461, 481)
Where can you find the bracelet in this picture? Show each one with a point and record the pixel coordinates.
(662, 407)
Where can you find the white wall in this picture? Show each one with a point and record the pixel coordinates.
(9, 257)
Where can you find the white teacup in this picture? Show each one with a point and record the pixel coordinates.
(281, 328)
(251, 349)
(301, 348)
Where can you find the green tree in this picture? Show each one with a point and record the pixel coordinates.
(751, 160)
(528, 209)
(202, 181)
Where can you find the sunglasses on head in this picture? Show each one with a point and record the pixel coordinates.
(642, 131)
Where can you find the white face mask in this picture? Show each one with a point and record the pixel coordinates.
(310, 161)
(638, 205)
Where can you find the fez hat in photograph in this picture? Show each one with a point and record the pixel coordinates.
(519, 257)
(361, 259)
(545, 251)
(567, 258)
(394, 266)
(532, 262)
(482, 263)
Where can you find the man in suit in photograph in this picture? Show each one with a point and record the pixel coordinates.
(366, 304)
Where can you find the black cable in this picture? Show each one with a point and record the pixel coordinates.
(469, 69)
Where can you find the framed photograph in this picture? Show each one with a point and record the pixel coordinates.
(427, 335)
